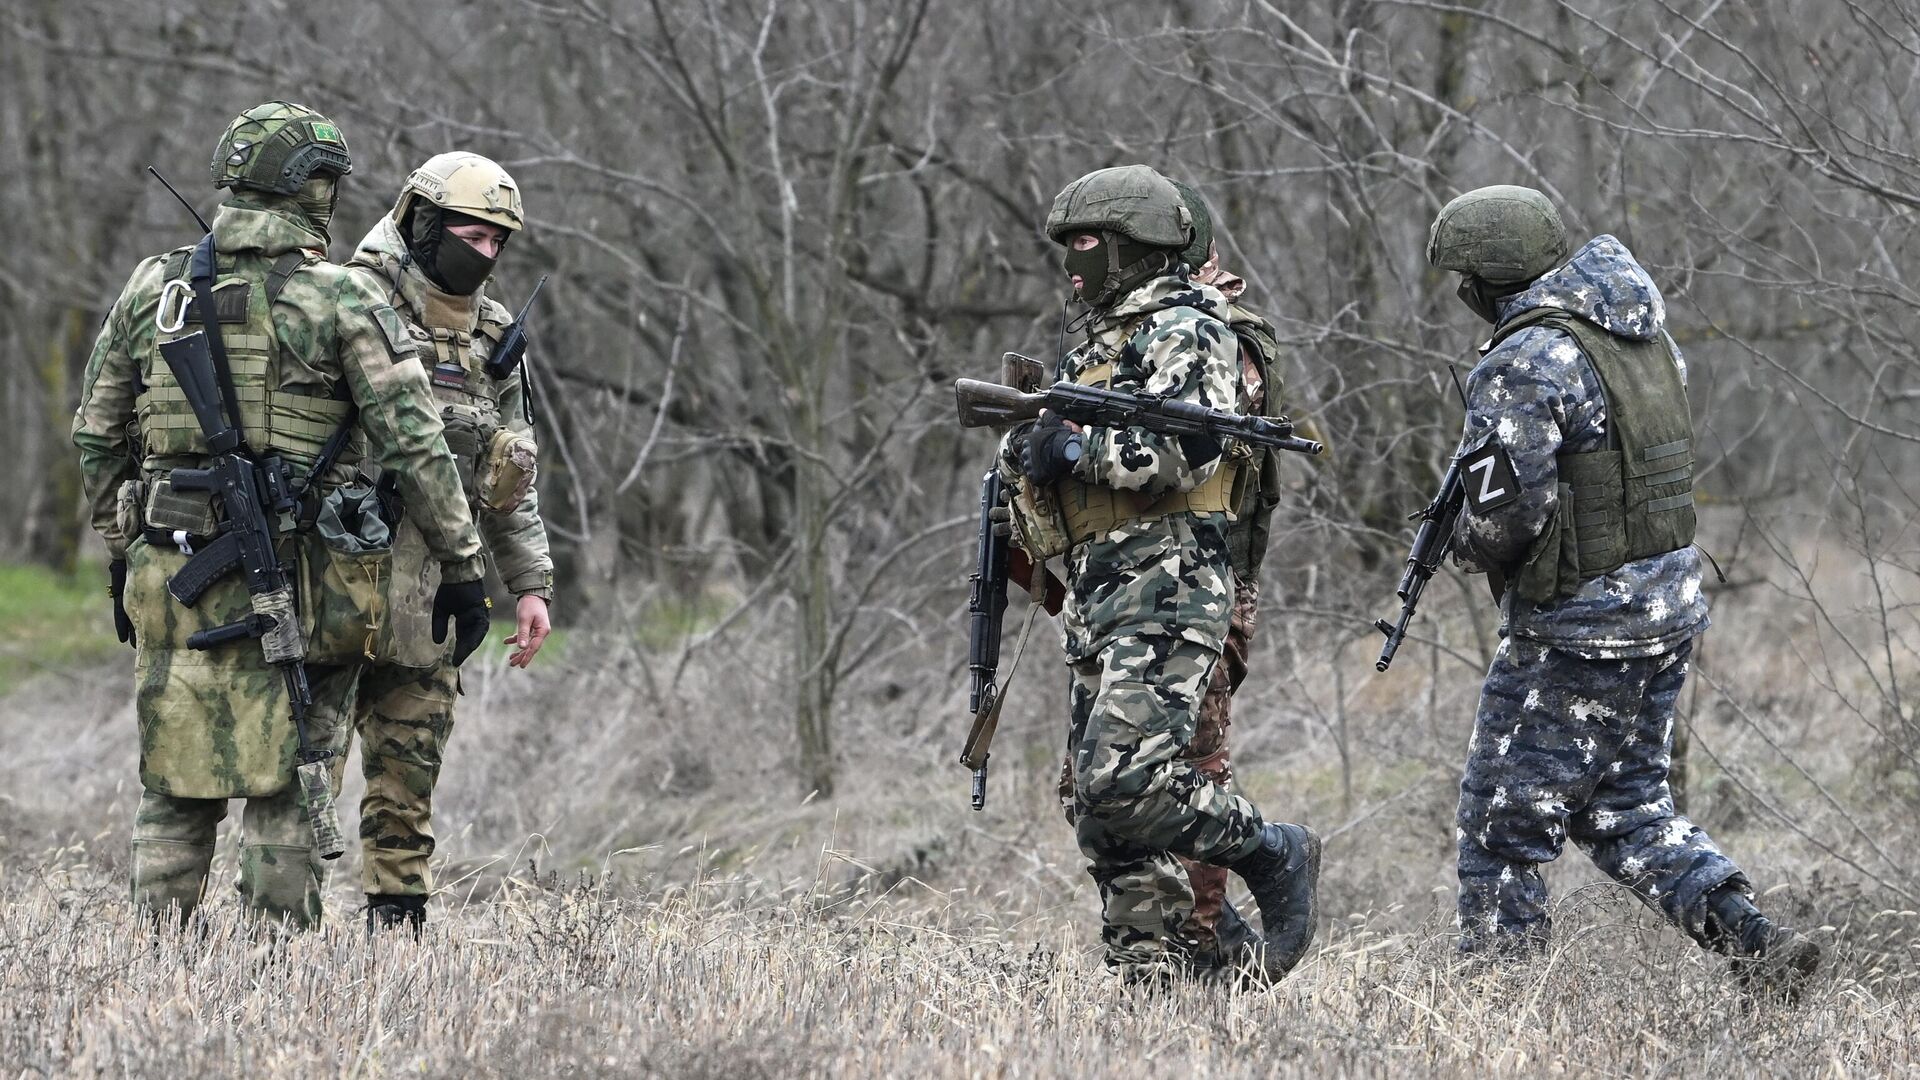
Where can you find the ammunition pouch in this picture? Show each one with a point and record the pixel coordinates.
(170, 511)
(1039, 528)
(506, 472)
(346, 563)
(469, 432)
(1092, 510)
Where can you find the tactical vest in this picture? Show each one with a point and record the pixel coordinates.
(1260, 480)
(456, 359)
(1093, 509)
(1634, 499)
(277, 418)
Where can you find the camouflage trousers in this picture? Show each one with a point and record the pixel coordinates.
(1564, 747)
(1208, 754)
(1137, 804)
(403, 716)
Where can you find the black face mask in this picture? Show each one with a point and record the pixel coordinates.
(1113, 267)
(448, 261)
(1483, 297)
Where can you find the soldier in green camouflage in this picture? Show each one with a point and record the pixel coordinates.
(431, 258)
(311, 352)
(1141, 520)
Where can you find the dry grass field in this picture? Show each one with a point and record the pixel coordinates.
(631, 886)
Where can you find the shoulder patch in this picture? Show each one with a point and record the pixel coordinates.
(400, 343)
(1487, 477)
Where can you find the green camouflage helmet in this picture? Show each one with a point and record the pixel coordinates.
(276, 147)
(1196, 253)
(1131, 200)
(1500, 234)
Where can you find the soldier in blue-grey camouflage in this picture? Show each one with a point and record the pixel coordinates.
(1141, 521)
(1577, 461)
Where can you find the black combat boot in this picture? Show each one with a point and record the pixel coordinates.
(1233, 945)
(1282, 874)
(1772, 960)
(387, 911)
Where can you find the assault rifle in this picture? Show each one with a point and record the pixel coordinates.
(986, 604)
(996, 563)
(1431, 542)
(985, 404)
(1430, 546)
(255, 494)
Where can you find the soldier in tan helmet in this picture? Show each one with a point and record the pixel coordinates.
(432, 257)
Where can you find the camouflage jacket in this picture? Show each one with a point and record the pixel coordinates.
(329, 330)
(517, 541)
(1167, 575)
(1538, 396)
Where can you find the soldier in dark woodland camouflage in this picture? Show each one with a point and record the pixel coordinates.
(1144, 520)
(1578, 466)
(1212, 932)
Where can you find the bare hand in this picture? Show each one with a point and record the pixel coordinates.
(533, 630)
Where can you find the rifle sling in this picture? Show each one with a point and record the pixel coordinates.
(329, 453)
(980, 737)
(202, 281)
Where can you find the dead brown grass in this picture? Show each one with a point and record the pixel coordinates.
(560, 976)
(630, 886)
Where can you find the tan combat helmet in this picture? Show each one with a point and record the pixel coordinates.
(464, 183)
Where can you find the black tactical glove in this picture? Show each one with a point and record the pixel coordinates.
(1050, 450)
(117, 588)
(466, 604)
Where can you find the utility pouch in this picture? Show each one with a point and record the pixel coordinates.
(346, 572)
(190, 512)
(1039, 525)
(1246, 476)
(468, 433)
(1551, 569)
(506, 472)
(128, 506)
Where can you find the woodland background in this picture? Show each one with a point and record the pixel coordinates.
(777, 230)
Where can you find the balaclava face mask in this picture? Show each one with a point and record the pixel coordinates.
(1483, 297)
(316, 199)
(1113, 267)
(448, 261)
